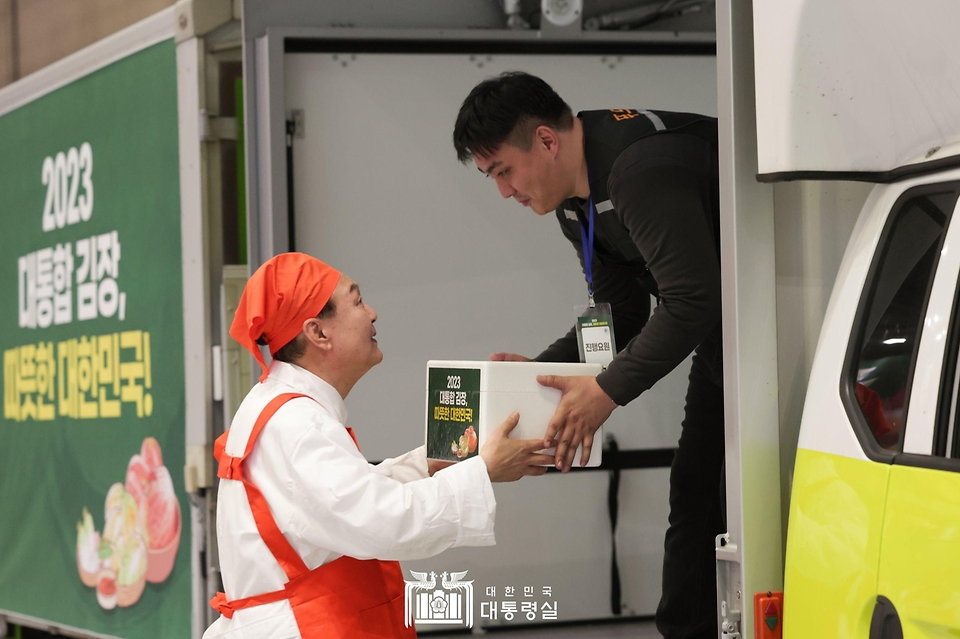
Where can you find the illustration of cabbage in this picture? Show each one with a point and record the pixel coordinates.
(164, 511)
(466, 445)
(123, 515)
(88, 545)
(132, 559)
(138, 478)
(114, 499)
(108, 558)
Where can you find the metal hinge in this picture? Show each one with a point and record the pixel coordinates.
(215, 127)
(728, 587)
(729, 621)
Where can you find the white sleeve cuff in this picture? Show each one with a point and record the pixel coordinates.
(405, 468)
(476, 503)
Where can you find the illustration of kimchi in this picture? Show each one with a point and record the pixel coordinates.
(141, 532)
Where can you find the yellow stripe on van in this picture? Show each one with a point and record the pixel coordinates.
(833, 546)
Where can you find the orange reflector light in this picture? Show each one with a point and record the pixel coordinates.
(768, 615)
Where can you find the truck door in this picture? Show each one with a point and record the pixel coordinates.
(850, 555)
(920, 543)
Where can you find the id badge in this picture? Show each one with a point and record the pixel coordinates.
(595, 334)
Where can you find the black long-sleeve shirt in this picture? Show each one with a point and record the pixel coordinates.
(664, 190)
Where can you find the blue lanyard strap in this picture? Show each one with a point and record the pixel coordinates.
(586, 237)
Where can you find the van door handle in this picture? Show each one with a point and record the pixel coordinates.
(885, 623)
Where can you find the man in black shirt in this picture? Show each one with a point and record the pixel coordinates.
(649, 181)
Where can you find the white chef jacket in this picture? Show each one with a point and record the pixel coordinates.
(328, 501)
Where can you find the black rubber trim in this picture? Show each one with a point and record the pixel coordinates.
(495, 46)
(885, 623)
(955, 453)
(927, 461)
(876, 177)
(948, 375)
(848, 377)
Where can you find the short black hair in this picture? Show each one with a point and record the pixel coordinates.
(507, 108)
(295, 348)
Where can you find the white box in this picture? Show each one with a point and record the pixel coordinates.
(464, 395)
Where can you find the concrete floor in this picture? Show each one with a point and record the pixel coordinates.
(631, 630)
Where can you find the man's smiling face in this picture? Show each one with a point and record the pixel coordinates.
(351, 328)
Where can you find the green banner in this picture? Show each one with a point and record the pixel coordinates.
(95, 526)
(453, 413)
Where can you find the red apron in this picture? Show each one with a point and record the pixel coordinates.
(345, 599)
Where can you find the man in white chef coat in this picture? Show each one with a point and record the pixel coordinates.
(309, 532)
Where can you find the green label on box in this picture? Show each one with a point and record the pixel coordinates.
(453, 413)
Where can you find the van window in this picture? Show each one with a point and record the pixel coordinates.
(889, 329)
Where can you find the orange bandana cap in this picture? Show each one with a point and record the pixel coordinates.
(285, 291)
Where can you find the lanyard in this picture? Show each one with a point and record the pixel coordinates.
(586, 237)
